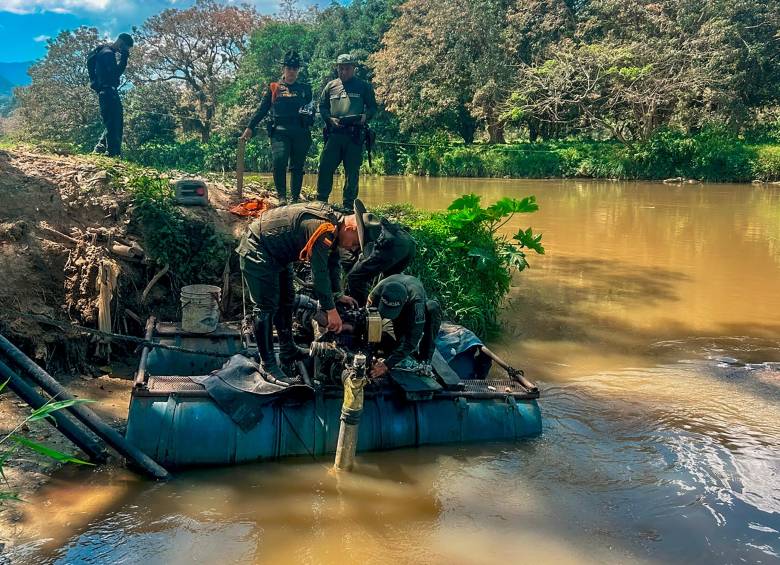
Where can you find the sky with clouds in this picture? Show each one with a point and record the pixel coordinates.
(25, 25)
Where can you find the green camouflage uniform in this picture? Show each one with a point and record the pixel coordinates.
(346, 101)
(389, 254)
(267, 251)
(290, 133)
(416, 325)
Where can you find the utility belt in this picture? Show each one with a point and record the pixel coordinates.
(359, 134)
(300, 121)
(354, 131)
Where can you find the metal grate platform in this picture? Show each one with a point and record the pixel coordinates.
(493, 385)
(173, 383)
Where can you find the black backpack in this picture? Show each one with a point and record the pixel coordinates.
(92, 67)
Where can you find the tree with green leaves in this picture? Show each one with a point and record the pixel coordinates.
(150, 114)
(356, 28)
(59, 104)
(734, 43)
(627, 91)
(442, 65)
(198, 48)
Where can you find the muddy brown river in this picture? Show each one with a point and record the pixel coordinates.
(653, 328)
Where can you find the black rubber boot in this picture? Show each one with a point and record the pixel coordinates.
(264, 338)
(289, 352)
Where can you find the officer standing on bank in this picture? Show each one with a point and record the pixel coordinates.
(105, 72)
(416, 320)
(289, 102)
(346, 105)
(386, 249)
(311, 232)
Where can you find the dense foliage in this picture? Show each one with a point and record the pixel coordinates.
(194, 251)
(611, 87)
(463, 258)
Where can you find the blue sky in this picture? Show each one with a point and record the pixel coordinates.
(26, 24)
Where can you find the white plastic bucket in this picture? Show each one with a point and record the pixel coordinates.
(200, 308)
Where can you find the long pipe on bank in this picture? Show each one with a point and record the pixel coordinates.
(82, 413)
(64, 425)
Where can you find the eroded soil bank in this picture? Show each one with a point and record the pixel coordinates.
(68, 223)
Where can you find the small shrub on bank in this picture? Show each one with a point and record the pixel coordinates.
(462, 259)
(766, 166)
(193, 249)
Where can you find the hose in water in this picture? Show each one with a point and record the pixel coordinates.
(351, 410)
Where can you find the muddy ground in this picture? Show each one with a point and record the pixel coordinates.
(61, 219)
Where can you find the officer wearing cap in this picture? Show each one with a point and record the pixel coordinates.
(289, 102)
(416, 320)
(310, 231)
(105, 73)
(386, 249)
(347, 103)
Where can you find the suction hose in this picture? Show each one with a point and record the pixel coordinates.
(354, 379)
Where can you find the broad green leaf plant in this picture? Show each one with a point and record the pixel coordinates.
(464, 258)
(12, 441)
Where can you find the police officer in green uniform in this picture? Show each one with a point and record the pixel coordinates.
(386, 249)
(289, 102)
(416, 320)
(347, 103)
(311, 232)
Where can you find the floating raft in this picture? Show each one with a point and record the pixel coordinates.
(175, 421)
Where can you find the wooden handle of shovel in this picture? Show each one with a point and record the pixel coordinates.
(513, 373)
(240, 167)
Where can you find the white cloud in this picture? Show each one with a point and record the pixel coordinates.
(40, 38)
(60, 6)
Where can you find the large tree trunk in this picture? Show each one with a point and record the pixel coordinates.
(496, 133)
(467, 126)
(533, 130)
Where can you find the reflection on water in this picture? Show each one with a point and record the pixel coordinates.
(653, 327)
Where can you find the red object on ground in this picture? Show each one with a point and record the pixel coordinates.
(251, 207)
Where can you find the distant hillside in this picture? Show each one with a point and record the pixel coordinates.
(16, 72)
(13, 74)
(6, 86)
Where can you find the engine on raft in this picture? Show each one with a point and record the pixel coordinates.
(364, 338)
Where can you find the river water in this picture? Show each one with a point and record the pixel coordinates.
(653, 328)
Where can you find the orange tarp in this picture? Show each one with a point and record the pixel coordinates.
(251, 207)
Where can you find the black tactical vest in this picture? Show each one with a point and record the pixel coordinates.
(279, 228)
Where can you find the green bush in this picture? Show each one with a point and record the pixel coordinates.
(715, 154)
(461, 258)
(767, 163)
(186, 156)
(192, 248)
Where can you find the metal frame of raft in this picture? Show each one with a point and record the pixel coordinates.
(174, 421)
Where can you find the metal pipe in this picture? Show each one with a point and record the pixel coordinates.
(516, 374)
(82, 413)
(140, 376)
(64, 425)
(352, 408)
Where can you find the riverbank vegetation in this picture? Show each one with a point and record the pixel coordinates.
(542, 88)
(464, 260)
